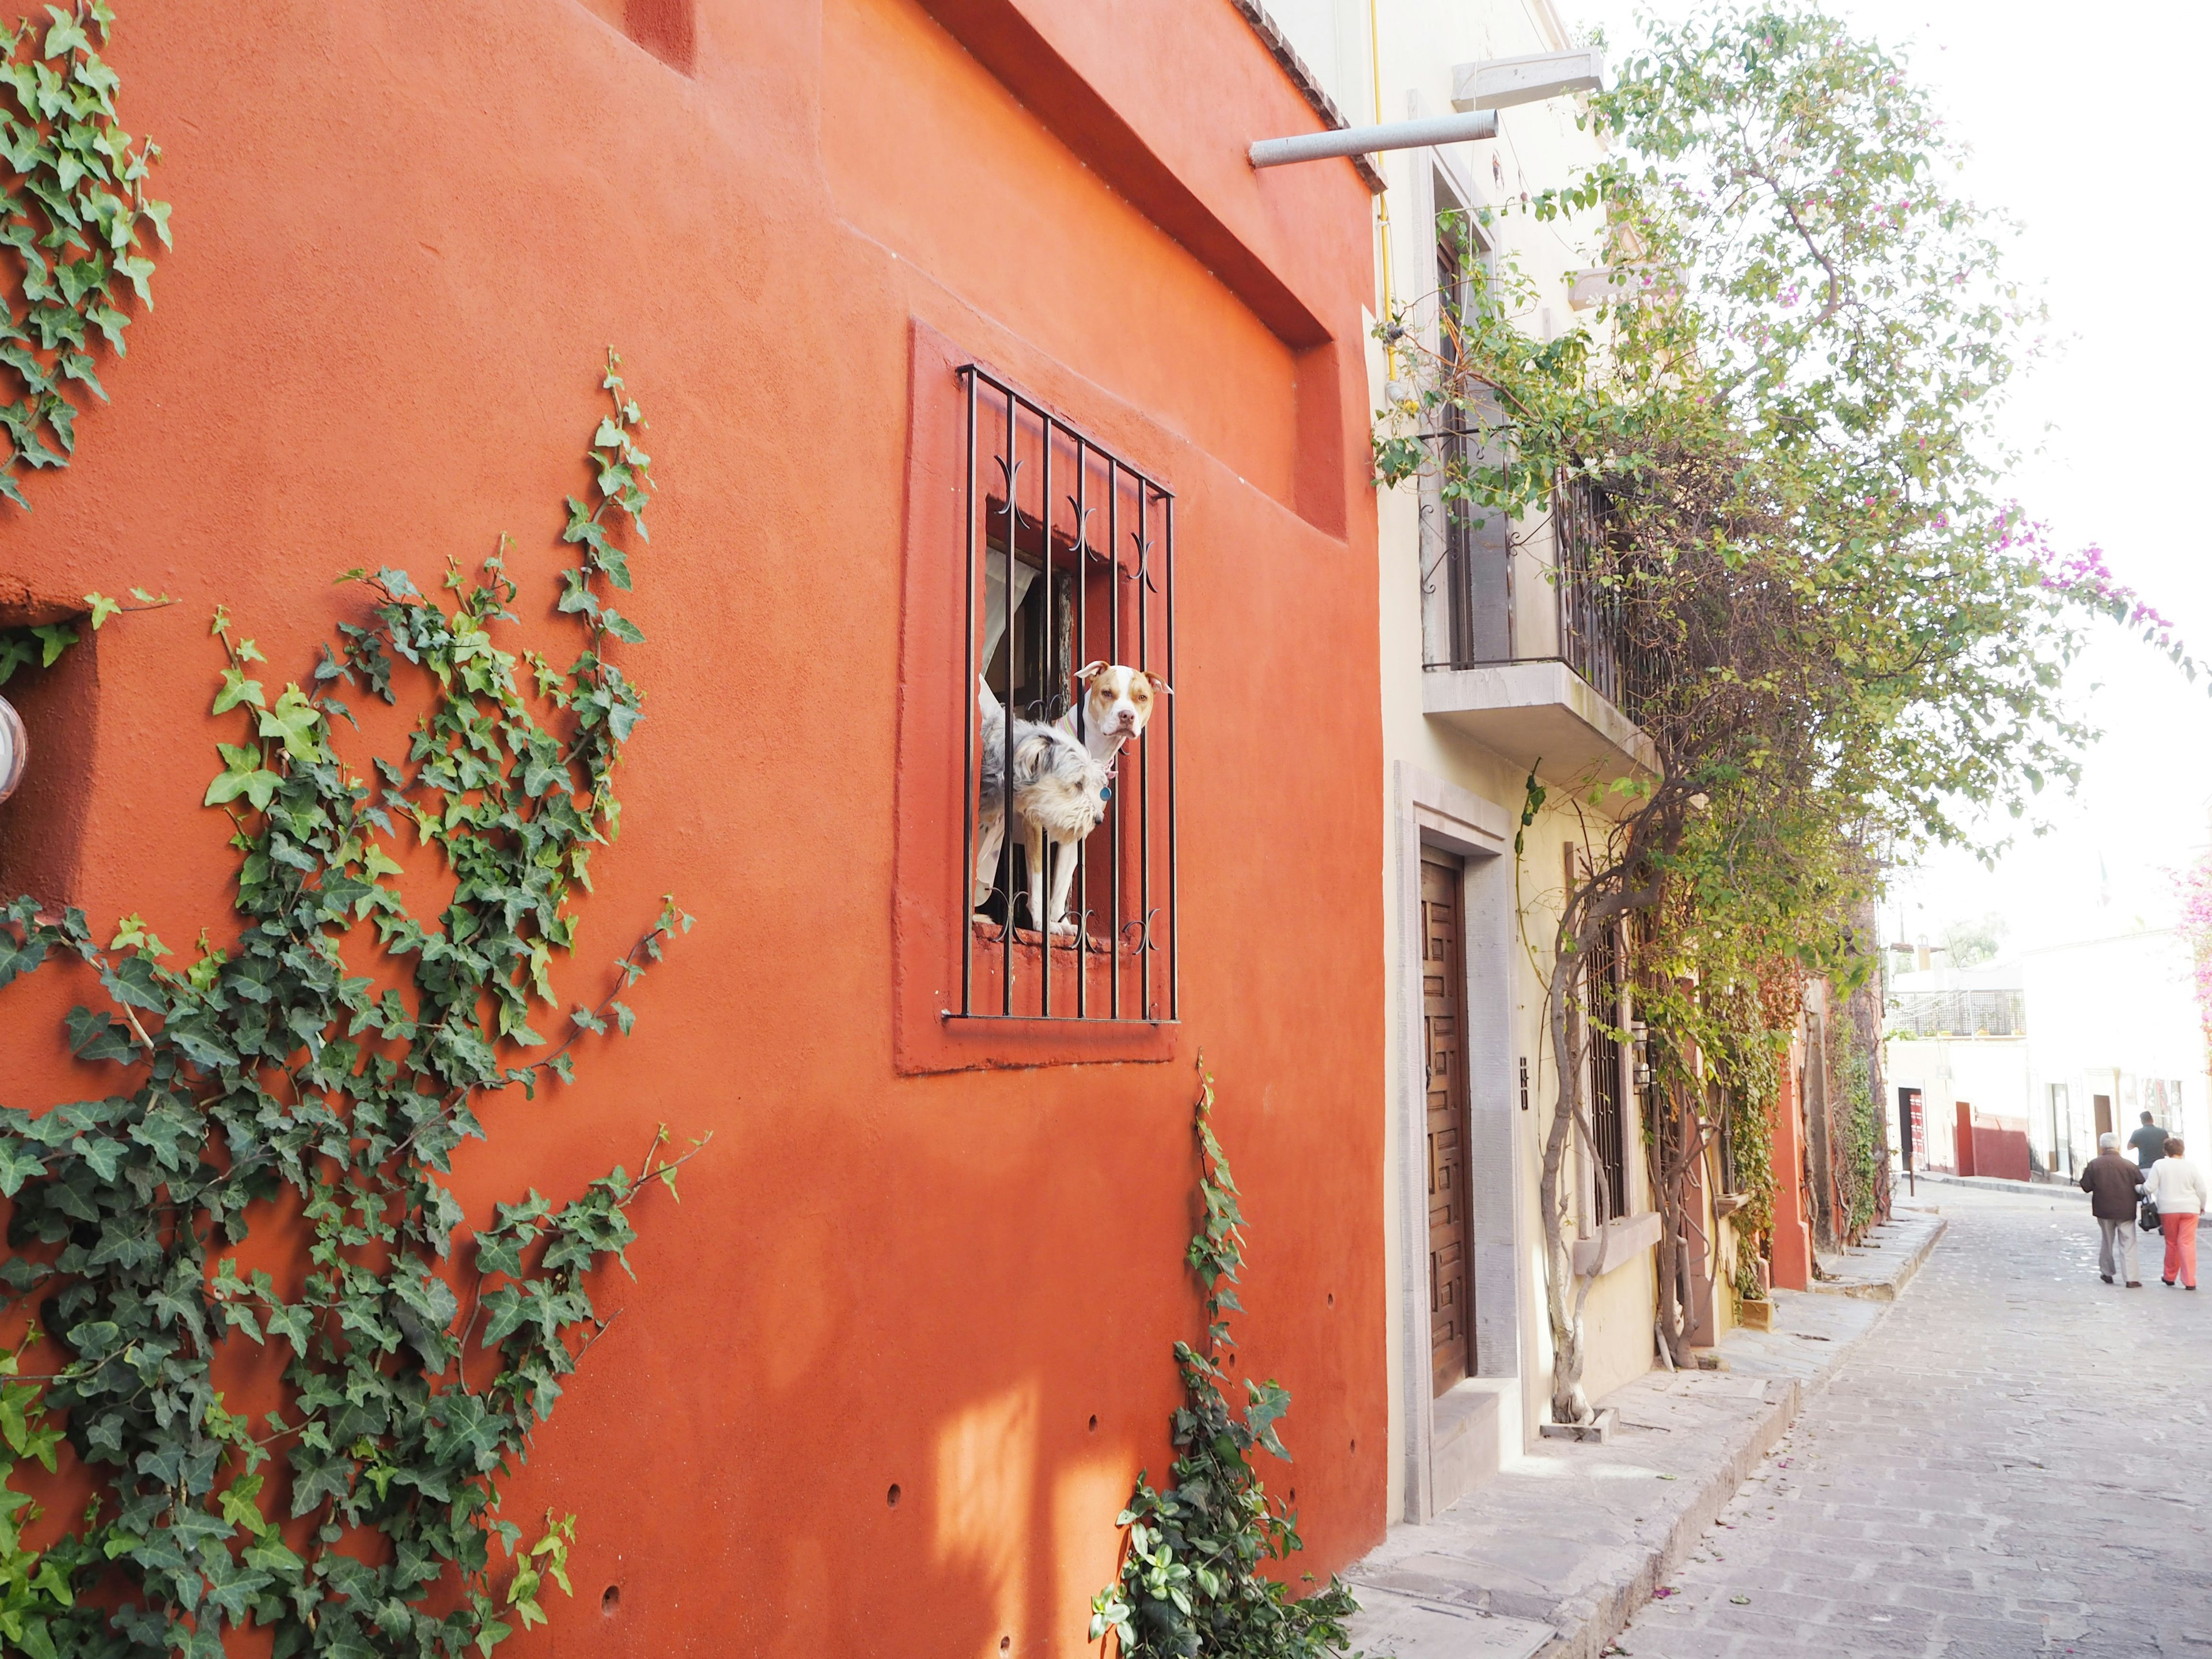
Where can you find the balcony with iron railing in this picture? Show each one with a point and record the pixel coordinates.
(1523, 642)
(1994, 1013)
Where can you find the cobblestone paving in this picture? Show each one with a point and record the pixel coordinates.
(2017, 1460)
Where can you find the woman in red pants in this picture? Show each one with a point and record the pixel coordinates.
(2177, 1187)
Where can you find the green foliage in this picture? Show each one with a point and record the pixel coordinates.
(42, 646)
(1191, 1582)
(1788, 416)
(273, 1078)
(1972, 942)
(1863, 1137)
(74, 217)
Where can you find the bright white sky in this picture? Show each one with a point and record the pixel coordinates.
(2082, 125)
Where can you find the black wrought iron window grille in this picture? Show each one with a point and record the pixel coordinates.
(1070, 575)
(1609, 1081)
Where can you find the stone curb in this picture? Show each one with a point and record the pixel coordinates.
(1601, 1618)
(1885, 1288)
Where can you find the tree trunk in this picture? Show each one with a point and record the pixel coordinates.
(1563, 1297)
(1820, 1142)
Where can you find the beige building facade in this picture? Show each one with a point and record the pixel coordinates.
(1488, 673)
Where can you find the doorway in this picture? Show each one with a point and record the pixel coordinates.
(1443, 1020)
(2103, 1106)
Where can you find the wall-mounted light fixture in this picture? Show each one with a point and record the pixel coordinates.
(15, 748)
(1479, 92)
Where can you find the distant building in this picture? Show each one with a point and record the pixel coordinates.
(1956, 1036)
(2064, 1041)
(2115, 1033)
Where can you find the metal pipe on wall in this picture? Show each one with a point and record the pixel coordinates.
(1361, 141)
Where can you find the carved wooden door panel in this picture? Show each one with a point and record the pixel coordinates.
(1451, 1285)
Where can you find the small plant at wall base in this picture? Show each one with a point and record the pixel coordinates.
(361, 1515)
(76, 215)
(1190, 1582)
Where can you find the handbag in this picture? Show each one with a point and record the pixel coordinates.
(2147, 1216)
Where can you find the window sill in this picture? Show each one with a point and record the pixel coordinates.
(1616, 1243)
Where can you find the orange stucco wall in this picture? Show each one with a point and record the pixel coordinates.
(405, 233)
(1790, 1245)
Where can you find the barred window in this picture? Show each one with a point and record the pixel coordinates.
(1607, 1085)
(1069, 851)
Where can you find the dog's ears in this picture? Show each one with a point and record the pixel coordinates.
(1090, 672)
(1158, 684)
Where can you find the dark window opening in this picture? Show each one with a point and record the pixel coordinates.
(1478, 541)
(1070, 781)
(1601, 1002)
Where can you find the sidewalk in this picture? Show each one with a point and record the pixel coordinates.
(1991, 1184)
(1553, 1556)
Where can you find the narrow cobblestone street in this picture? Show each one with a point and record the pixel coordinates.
(2017, 1460)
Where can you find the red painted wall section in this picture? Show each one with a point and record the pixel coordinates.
(406, 235)
(1992, 1146)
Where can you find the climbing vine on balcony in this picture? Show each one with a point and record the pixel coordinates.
(1191, 1580)
(79, 221)
(272, 1170)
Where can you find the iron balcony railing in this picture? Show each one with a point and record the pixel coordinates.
(1958, 1013)
(1489, 602)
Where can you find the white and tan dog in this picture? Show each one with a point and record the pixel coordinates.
(1062, 776)
(1115, 706)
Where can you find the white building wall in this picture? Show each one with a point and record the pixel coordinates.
(2116, 1017)
(1445, 788)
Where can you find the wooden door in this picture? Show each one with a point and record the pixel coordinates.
(1451, 1285)
(2104, 1105)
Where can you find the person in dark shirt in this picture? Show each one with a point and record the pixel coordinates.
(2148, 1143)
(2113, 1185)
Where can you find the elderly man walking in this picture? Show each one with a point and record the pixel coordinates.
(2112, 1183)
(2177, 1187)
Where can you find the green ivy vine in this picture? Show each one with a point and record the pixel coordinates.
(41, 645)
(1862, 1136)
(275, 1075)
(1191, 1580)
(74, 216)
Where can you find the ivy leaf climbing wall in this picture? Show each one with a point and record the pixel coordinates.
(360, 1516)
(79, 221)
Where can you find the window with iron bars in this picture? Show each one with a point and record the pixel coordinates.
(1070, 846)
(1608, 1092)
